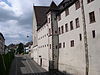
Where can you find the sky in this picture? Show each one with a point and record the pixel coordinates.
(16, 19)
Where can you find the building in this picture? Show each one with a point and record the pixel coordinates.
(2, 43)
(68, 38)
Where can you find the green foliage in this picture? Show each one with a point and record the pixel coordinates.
(20, 48)
(5, 62)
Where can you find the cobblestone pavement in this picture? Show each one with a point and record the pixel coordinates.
(24, 65)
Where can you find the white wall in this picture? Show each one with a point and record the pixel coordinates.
(43, 46)
(34, 50)
(72, 59)
(93, 43)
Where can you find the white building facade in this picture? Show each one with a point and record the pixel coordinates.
(2, 43)
(69, 40)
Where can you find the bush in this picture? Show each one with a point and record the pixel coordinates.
(5, 62)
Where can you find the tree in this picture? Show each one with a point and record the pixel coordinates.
(20, 48)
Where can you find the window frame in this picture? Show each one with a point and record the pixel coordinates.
(93, 34)
(49, 20)
(63, 44)
(80, 36)
(66, 27)
(71, 25)
(77, 22)
(59, 30)
(72, 43)
(92, 17)
(60, 45)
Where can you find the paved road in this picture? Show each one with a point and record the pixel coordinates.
(23, 65)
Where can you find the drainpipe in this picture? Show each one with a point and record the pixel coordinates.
(85, 38)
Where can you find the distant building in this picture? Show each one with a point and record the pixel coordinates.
(67, 37)
(2, 43)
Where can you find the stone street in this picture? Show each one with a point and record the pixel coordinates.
(24, 65)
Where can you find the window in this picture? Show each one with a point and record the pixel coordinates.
(59, 30)
(63, 44)
(72, 43)
(50, 46)
(59, 17)
(56, 47)
(62, 29)
(92, 17)
(93, 33)
(66, 27)
(59, 45)
(48, 20)
(77, 22)
(77, 4)
(71, 25)
(88, 1)
(67, 12)
(55, 31)
(50, 31)
(80, 35)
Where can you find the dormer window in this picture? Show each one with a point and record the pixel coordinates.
(59, 17)
(77, 4)
(92, 17)
(67, 12)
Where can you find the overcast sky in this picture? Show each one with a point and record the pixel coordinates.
(16, 19)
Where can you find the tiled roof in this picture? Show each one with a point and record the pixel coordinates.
(53, 7)
(40, 13)
(65, 4)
